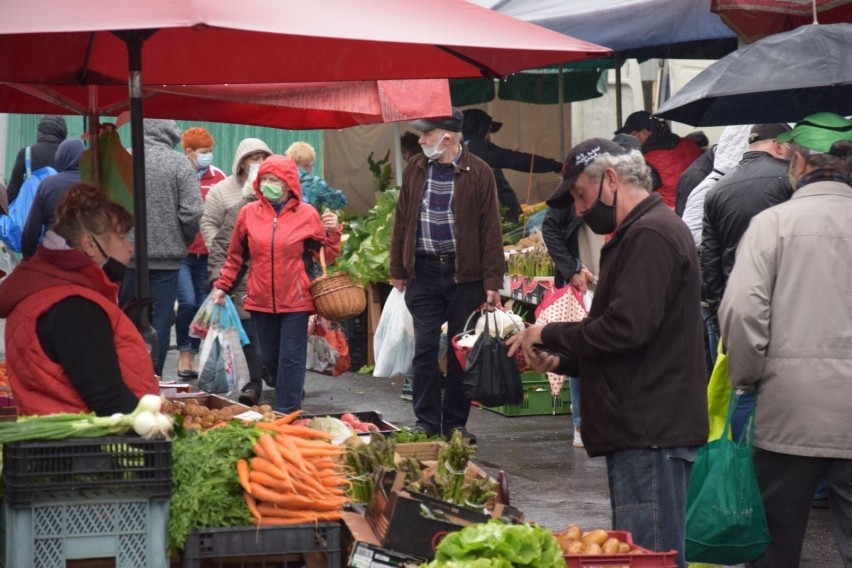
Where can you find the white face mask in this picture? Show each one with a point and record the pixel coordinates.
(252, 172)
(435, 150)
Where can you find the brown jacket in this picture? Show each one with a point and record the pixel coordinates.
(479, 239)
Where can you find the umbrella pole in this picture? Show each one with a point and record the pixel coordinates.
(618, 110)
(134, 40)
(94, 135)
(560, 88)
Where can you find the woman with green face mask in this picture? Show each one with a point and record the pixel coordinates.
(273, 233)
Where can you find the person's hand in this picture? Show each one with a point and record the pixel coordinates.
(399, 283)
(492, 298)
(528, 340)
(219, 297)
(330, 222)
(581, 280)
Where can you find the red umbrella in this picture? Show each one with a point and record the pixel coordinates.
(755, 19)
(298, 106)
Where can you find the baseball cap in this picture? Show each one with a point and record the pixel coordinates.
(578, 158)
(639, 120)
(477, 123)
(452, 123)
(767, 131)
(819, 131)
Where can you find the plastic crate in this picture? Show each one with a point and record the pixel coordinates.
(59, 470)
(261, 547)
(537, 400)
(355, 330)
(48, 535)
(648, 558)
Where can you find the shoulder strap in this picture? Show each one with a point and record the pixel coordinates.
(28, 161)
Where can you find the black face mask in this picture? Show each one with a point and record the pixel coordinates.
(600, 217)
(114, 269)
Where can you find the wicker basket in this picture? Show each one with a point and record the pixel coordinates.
(336, 296)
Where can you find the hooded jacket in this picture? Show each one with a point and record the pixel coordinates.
(669, 155)
(51, 132)
(275, 243)
(228, 192)
(50, 192)
(121, 369)
(210, 177)
(171, 195)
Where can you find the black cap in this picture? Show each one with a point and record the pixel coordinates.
(639, 120)
(477, 123)
(452, 123)
(578, 158)
(760, 132)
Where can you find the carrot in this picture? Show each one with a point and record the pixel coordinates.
(320, 452)
(298, 502)
(292, 453)
(243, 474)
(270, 469)
(292, 429)
(268, 444)
(273, 511)
(270, 481)
(288, 418)
(252, 506)
(259, 451)
(267, 521)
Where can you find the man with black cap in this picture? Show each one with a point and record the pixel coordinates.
(446, 254)
(666, 153)
(757, 182)
(478, 127)
(639, 354)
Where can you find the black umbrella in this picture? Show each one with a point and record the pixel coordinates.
(781, 78)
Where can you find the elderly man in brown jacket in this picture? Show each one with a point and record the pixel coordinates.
(786, 318)
(447, 255)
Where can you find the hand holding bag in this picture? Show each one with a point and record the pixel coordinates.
(725, 517)
(491, 377)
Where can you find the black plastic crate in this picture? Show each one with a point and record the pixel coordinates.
(252, 547)
(355, 330)
(122, 465)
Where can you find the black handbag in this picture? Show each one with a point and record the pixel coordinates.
(491, 377)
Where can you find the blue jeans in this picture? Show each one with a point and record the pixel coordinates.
(163, 285)
(574, 388)
(282, 343)
(711, 336)
(743, 411)
(191, 291)
(647, 491)
(433, 297)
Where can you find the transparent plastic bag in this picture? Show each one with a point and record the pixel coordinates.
(393, 344)
(222, 363)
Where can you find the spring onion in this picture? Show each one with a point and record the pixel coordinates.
(146, 420)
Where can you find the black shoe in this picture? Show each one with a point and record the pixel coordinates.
(250, 396)
(188, 374)
(420, 429)
(465, 434)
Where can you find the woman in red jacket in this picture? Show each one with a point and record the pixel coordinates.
(277, 233)
(69, 347)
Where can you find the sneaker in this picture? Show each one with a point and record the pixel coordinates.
(578, 440)
(407, 389)
(465, 434)
(250, 396)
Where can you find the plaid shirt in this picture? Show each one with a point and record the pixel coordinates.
(436, 230)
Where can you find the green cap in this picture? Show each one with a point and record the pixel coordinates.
(819, 131)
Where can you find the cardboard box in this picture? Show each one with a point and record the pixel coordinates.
(366, 552)
(529, 289)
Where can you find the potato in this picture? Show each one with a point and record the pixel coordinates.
(636, 551)
(573, 532)
(623, 548)
(597, 536)
(592, 549)
(610, 546)
(575, 547)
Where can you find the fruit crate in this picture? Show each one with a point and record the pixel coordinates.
(59, 470)
(537, 398)
(253, 547)
(648, 558)
(129, 532)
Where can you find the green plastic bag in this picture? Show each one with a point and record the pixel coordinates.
(115, 167)
(725, 518)
(718, 395)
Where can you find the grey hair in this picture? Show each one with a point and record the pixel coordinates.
(838, 159)
(630, 167)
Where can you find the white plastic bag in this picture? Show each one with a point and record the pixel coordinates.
(393, 344)
(223, 366)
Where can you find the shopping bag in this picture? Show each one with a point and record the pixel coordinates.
(337, 362)
(393, 343)
(503, 324)
(718, 395)
(115, 168)
(321, 356)
(491, 377)
(566, 304)
(12, 224)
(725, 518)
(223, 366)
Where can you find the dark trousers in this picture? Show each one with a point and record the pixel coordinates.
(255, 365)
(787, 484)
(433, 297)
(163, 286)
(282, 341)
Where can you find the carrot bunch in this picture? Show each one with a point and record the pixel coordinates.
(295, 476)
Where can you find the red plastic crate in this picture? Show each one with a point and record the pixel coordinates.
(649, 559)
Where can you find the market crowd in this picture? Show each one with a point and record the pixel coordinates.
(738, 248)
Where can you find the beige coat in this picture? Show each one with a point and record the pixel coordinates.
(786, 320)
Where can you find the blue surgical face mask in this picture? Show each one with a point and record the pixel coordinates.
(204, 161)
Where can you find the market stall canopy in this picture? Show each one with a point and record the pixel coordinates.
(683, 29)
(223, 42)
(298, 106)
(781, 78)
(755, 19)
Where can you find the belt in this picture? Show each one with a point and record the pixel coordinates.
(438, 257)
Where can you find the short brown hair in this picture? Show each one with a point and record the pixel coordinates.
(88, 209)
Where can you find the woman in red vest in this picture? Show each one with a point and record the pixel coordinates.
(69, 347)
